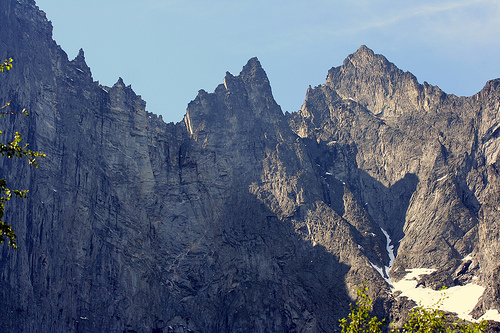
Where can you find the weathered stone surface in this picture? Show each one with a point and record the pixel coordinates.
(440, 150)
(238, 218)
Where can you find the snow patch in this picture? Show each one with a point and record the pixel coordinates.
(78, 69)
(458, 299)
(389, 248)
(328, 173)
(468, 257)
(442, 178)
(491, 315)
(382, 273)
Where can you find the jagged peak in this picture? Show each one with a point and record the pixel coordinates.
(491, 85)
(365, 57)
(252, 79)
(365, 60)
(255, 78)
(81, 55)
(119, 83)
(80, 59)
(252, 63)
(375, 78)
(246, 95)
(80, 63)
(253, 68)
(363, 49)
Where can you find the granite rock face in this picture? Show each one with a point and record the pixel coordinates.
(424, 162)
(239, 218)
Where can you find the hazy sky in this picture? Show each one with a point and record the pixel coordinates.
(169, 49)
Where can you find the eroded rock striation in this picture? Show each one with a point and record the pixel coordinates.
(239, 218)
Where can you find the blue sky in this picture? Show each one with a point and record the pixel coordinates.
(169, 49)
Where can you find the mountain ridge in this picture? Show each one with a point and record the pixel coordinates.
(239, 217)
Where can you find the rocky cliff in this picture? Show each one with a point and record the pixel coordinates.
(239, 218)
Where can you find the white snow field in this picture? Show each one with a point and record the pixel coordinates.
(458, 299)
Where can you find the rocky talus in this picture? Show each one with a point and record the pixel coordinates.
(238, 218)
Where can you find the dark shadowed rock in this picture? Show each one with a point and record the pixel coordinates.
(238, 218)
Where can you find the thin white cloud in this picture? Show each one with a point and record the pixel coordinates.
(420, 11)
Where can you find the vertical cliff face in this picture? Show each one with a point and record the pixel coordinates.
(424, 161)
(268, 226)
(223, 222)
(238, 218)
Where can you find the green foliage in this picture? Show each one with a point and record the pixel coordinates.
(6, 229)
(359, 319)
(12, 149)
(420, 320)
(425, 320)
(6, 65)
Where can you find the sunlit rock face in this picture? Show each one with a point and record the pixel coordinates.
(239, 218)
(425, 164)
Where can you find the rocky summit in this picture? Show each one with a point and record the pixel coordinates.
(239, 218)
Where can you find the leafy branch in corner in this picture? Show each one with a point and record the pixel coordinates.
(12, 149)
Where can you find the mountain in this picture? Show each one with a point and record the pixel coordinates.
(239, 218)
